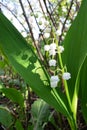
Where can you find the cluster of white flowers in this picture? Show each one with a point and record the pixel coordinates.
(55, 79)
(53, 49)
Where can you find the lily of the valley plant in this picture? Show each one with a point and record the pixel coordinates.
(64, 81)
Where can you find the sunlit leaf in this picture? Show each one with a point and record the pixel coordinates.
(24, 60)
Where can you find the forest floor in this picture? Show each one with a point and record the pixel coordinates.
(62, 123)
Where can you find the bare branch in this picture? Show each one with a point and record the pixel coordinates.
(65, 20)
(35, 43)
(49, 13)
(41, 7)
(36, 20)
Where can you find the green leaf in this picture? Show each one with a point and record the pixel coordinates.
(14, 95)
(30, 127)
(1, 85)
(40, 113)
(75, 54)
(2, 64)
(18, 125)
(6, 118)
(83, 89)
(24, 60)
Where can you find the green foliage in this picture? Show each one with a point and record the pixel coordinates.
(1, 86)
(30, 127)
(18, 125)
(5, 117)
(22, 57)
(25, 61)
(83, 89)
(14, 95)
(40, 113)
(74, 57)
(2, 64)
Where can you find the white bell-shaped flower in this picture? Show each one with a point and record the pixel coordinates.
(52, 62)
(58, 32)
(60, 49)
(53, 46)
(46, 47)
(66, 76)
(54, 81)
(53, 84)
(54, 78)
(46, 35)
(52, 52)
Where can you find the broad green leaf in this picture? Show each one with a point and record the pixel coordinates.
(14, 95)
(83, 89)
(6, 118)
(75, 53)
(40, 113)
(24, 60)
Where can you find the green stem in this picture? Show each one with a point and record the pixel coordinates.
(72, 120)
(72, 123)
(65, 82)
